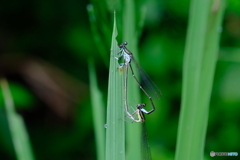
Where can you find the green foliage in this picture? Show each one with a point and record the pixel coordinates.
(98, 111)
(115, 127)
(130, 35)
(16, 124)
(21, 96)
(198, 72)
(77, 42)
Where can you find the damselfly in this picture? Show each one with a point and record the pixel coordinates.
(139, 112)
(145, 149)
(146, 85)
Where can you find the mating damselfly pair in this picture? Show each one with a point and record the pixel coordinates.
(146, 85)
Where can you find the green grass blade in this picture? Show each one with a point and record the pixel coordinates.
(198, 72)
(17, 128)
(115, 131)
(133, 130)
(98, 112)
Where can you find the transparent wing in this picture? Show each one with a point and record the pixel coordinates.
(145, 148)
(148, 85)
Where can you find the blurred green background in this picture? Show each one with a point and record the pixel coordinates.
(44, 50)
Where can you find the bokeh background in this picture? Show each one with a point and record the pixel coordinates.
(44, 51)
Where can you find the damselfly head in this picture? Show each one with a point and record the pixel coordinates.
(140, 106)
(123, 44)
